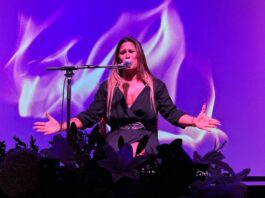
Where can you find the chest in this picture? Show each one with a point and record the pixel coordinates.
(131, 92)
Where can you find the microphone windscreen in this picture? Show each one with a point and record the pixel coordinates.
(127, 63)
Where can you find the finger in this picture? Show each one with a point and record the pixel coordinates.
(39, 127)
(39, 123)
(48, 116)
(212, 126)
(214, 121)
(40, 130)
(203, 110)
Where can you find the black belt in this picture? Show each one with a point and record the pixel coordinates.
(133, 126)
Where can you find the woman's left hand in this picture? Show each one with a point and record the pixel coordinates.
(202, 121)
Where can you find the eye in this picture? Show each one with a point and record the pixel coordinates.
(123, 52)
(131, 51)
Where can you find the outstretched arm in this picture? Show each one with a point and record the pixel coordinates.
(202, 121)
(84, 119)
(53, 126)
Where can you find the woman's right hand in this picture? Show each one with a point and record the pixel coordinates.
(49, 127)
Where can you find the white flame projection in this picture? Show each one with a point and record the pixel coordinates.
(161, 33)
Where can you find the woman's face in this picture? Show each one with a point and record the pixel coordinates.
(128, 52)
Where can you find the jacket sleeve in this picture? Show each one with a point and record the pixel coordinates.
(165, 105)
(97, 108)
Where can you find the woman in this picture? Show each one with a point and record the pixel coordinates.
(130, 101)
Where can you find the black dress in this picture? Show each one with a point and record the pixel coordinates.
(140, 111)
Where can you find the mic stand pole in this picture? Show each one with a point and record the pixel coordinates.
(69, 74)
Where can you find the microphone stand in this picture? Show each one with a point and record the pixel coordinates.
(69, 74)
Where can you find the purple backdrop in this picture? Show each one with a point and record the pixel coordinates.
(205, 51)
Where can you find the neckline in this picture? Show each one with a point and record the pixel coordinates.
(140, 93)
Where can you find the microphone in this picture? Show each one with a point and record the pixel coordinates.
(126, 63)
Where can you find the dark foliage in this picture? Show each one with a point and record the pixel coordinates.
(83, 165)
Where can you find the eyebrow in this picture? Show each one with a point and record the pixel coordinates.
(131, 50)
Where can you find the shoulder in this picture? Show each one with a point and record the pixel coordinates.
(158, 84)
(103, 86)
